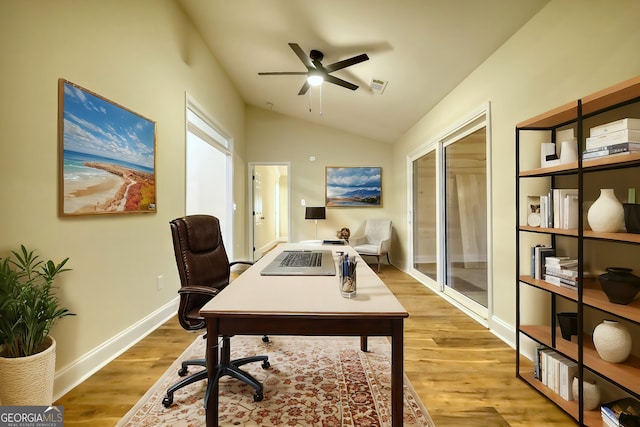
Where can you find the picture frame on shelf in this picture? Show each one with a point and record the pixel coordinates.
(533, 211)
(106, 155)
(353, 187)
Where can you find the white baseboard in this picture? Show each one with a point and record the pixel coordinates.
(502, 330)
(78, 371)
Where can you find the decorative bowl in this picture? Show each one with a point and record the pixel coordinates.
(620, 285)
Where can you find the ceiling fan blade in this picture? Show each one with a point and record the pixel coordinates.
(300, 53)
(305, 88)
(346, 63)
(284, 73)
(340, 82)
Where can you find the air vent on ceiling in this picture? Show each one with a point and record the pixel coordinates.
(378, 86)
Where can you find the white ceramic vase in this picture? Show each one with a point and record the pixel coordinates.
(606, 215)
(612, 341)
(591, 391)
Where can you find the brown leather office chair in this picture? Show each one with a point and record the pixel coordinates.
(204, 271)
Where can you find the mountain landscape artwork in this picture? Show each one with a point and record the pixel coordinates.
(353, 186)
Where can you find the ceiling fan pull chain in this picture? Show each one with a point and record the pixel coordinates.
(310, 101)
(320, 99)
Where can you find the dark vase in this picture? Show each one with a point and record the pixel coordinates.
(568, 324)
(632, 217)
(620, 285)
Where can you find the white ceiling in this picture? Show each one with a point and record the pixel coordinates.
(423, 48)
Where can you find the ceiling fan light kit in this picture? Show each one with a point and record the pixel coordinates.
(316, 72)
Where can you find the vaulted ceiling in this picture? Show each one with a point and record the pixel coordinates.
(422, 48)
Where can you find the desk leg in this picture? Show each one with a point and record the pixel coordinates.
(397, 373)
(364, 343)
(211, 398)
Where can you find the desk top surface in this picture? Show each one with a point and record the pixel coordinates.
(252, 293)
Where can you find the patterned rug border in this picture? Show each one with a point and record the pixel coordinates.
(410, 397)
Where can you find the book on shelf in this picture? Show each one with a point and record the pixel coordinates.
(621, 148)
(611, 411)
(611, 138)
(539, 253)
(561, 281)
(617, 125)
(555, 371)
(564, 211)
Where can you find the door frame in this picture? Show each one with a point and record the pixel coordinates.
(473, 309)
(250, 171)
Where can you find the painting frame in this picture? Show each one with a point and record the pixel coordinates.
(348, 186)
(106, 155)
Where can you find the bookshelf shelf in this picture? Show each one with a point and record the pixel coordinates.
(590, 302)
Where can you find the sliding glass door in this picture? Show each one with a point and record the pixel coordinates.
(450, 214)
(465, 233)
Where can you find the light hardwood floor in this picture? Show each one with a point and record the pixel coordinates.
(464, 375)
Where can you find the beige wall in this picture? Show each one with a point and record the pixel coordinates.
(144, 55)
(273, 137)
(141, 54)
(568, 50)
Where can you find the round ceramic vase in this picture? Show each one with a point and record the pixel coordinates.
(606, 215)
(591, 391)
(612, 341)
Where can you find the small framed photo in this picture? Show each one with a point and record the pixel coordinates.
(106, 155)
(533, 211)
(353, 187)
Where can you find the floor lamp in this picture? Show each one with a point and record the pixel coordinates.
(315, 213)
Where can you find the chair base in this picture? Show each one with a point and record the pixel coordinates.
(226, 367)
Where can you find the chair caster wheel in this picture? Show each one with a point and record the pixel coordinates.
(266, 364)
(258, 397)
(167, 401)
(183, 371)
(265, 339)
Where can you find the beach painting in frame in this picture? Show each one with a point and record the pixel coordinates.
(353, 186)
(106, 155)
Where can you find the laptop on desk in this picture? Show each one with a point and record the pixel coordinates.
(301, 263)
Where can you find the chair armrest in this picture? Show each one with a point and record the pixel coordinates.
(355, 241)
(385, 245)
(199, 290)
(240, 262)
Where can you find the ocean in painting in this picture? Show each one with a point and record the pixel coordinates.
(75, 170)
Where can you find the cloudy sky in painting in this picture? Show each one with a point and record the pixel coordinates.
(97, 127)
(344, 180)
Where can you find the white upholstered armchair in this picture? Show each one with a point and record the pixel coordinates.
(375, 241)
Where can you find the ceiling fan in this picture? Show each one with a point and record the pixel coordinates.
(316, 72)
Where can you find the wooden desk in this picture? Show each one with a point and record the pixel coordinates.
(309, 305)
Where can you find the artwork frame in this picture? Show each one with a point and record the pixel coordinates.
(106, 155)
(353, 186)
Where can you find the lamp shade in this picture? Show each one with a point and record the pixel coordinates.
(315, 212)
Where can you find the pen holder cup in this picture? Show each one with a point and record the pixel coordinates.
(348, 285)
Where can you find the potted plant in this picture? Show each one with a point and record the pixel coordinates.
(29, 308)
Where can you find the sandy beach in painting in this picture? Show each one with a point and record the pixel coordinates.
(101, 187)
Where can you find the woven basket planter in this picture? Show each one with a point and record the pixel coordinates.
(28, 380)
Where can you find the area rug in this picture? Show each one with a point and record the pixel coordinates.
(312, 381)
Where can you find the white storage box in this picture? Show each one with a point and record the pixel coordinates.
(623, 124)
(612, 138)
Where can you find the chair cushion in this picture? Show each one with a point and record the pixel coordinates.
(367, 249)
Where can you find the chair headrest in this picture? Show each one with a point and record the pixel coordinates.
(203, 233)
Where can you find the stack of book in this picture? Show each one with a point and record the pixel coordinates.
(611, 411)
(559, 208)
(555, 371)
(561, 271)
(538, 255)
(619, 137)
